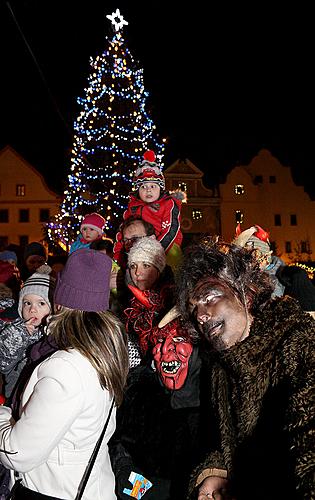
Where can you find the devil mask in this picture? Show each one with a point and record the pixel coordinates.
(171, 353)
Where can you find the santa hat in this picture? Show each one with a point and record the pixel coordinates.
(148, 171)
(95, 221)
(255, 237)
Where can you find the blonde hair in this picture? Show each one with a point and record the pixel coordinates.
(101, 338)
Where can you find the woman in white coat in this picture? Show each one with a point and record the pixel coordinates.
(68, 397)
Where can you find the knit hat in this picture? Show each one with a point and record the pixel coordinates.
(148, 171)
(149, 250)
(254, 237)
(95, 221)
(40, 283)
(35, 248)
(8, 255)
(84, 281)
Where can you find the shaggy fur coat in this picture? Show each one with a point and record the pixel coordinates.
(262, 392)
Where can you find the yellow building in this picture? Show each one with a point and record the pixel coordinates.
(264, 193)
(201, 214)
(26, 202)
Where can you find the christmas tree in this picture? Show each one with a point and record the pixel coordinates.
(111, 133)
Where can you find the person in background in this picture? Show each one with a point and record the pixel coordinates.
(91, 229)
(16, 336)
(298, 285)
(257, 239)
(152, 293)
(70, 394)
(9, 256)
(35, 255)
(158, 431)
(153, 204)
(260, 375)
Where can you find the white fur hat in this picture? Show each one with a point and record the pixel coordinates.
(148, 250)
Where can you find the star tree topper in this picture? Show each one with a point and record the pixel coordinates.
(117, 20)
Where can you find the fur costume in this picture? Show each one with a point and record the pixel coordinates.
(262, 392)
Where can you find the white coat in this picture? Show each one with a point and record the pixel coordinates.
(63, 412)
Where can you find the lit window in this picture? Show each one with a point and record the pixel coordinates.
(182, 186)
(239, 217)
(239, 189)
(20, 190)
(197, 214)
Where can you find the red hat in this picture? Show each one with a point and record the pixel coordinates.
(148, 171)
(95, 221)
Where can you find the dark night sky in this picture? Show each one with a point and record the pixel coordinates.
(222, 84)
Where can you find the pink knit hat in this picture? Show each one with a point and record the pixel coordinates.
(95, 221)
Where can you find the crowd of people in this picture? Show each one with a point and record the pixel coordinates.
(138, 368)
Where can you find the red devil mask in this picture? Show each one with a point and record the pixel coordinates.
(171, 353)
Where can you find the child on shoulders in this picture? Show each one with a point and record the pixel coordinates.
(152, 203)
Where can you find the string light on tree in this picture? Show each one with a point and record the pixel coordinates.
(112, 131)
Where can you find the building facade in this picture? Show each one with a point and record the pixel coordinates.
(201, 213)
(26, 202)
(264, 193)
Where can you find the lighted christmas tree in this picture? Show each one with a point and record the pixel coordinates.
(111, 133)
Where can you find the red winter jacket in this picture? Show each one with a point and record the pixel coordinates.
(163, 214)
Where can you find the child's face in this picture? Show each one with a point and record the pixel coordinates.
(34, 308)
(149, 192)
(89, 234)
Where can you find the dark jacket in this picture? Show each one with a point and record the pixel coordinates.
(262, 391)
(158, 434)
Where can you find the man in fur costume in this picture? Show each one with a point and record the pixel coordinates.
(260, 354)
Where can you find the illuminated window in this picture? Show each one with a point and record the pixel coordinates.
(239, 217)
(20, 190)
(182, 186)
(196, 214)
(239, 189)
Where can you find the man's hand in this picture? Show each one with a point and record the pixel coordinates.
(214, 487)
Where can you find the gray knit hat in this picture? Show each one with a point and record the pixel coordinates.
(83, 283)
(258, 244)
(40, 283)
(148, 250)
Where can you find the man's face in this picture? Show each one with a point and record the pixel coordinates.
(132, 233)
(171, 356)
(221, 318)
